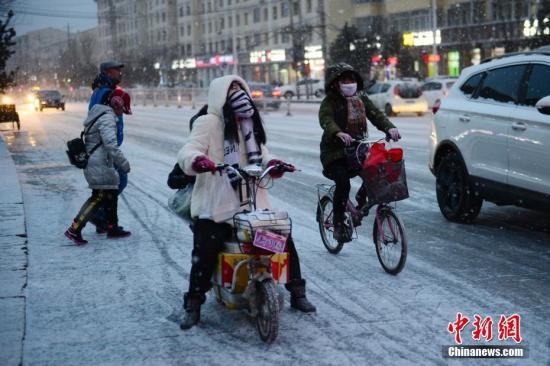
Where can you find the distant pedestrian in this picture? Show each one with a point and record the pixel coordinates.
(103, 179)
(109, 77)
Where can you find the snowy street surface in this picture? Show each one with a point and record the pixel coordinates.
(118, 302)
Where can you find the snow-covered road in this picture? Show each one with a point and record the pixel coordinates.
(118, 302)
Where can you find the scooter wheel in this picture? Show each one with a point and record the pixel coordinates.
(267, 320)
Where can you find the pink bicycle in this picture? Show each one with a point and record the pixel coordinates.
(385, 184)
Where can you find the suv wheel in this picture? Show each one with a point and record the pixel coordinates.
(289, 95)
(318, 93)
(457, 201)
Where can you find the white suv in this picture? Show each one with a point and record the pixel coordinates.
(304, 86)
(490, 138)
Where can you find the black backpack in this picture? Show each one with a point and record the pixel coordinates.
(76, 148)
(177, 179)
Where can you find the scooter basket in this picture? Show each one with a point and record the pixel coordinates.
(245, 225)
(386, 182)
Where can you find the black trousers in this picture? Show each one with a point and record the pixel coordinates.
(107, 198)
(341, 175)
(208, 239)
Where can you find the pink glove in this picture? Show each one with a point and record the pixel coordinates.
(281, 169)
(202, 165)
(394, 134)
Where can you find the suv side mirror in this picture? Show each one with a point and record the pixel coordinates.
(543, 105)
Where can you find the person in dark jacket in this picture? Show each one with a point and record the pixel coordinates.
(100, 173)
(343, 116)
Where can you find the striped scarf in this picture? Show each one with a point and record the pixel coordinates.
(242, 106)
(357, 118)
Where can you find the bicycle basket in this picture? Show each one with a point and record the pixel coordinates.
(245, 225)
(386, 182)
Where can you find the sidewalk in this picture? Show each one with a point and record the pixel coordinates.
(13, 262)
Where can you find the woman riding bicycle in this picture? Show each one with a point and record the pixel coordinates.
(343, 116)
(232, 133)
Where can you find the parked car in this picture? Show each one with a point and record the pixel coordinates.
(305, 87)
(489, 139)
(265, 94)
(398, 96)
(436, 89)
(49, 99)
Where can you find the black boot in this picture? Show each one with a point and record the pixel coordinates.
(115, 231)
(298, 299)
(192, 305)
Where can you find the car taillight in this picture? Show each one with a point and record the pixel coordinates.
(436, 106)
(257, 94)
(276, 93)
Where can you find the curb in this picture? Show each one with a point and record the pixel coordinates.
(13, 262)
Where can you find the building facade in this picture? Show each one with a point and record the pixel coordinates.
(195, 41)
(37, 54)
(467, 30)
(191, 42)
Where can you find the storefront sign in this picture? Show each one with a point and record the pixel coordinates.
(259, 57)
(421, 38)
(216, 61)
(453, 63)
(431, 58)
(313, 52)
(531, 28)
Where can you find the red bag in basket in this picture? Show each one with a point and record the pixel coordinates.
(377, 155)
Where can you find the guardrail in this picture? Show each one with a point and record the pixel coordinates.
(192, 98)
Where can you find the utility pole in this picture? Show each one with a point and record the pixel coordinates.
(323, 15)
(434, 32)
(234, 41)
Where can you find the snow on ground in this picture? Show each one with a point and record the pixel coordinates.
(118, 302)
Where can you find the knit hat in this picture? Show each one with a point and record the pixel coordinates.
(119, 96)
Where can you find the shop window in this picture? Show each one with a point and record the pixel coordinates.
(296, 7)
(470, 86)
(537, 85)
(502, 84)
(284, 9)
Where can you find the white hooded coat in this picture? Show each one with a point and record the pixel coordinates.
(100, 172)
(213, 196)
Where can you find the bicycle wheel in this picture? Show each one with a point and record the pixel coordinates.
(326, 227)
(267, 319)
(389, 238)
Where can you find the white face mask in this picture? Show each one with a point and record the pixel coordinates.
(348, 89)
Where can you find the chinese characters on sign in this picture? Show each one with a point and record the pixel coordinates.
(508, 328)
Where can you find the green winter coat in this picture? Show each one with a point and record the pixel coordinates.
(333, 115)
